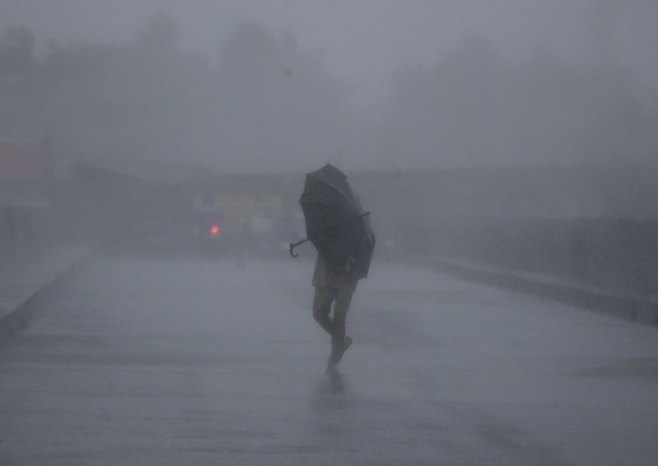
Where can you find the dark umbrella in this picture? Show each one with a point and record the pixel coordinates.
(336, 223)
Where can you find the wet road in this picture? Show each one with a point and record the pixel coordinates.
(170, 362)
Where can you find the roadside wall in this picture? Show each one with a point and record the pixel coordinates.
(613, 253)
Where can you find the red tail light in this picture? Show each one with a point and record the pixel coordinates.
(214, 230)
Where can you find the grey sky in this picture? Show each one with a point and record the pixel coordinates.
(361, 41)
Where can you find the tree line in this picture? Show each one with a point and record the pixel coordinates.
(266, 103)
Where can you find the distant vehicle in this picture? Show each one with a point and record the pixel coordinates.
(208, 224)
(242, 223)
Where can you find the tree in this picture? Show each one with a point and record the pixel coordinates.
(142, 99)
(160, 34)
(16, 52)
(474, 108)
(277, 104)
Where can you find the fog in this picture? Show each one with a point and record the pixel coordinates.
(166, 142)
(285, 85)
(540, 109)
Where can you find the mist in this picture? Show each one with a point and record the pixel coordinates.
(454, 118)
(539, 110)
(157, 165)
(273, 86)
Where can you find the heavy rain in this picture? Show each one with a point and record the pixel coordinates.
(308, 232)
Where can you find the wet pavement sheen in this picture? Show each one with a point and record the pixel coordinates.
(168, 362)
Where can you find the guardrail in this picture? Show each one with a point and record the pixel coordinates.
(24, 284)
(636, 308)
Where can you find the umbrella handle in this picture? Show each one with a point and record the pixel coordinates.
(294, 245)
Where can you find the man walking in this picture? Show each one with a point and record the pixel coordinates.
(339, 228)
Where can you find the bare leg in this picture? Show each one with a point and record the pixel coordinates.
(322, 302)
(340, 342)
(324, 320)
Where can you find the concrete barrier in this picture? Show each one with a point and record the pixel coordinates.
(632, 307)
(22, 286)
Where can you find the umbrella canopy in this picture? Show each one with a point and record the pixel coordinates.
(336, 222)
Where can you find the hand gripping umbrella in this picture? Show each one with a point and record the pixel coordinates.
(336, 223)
